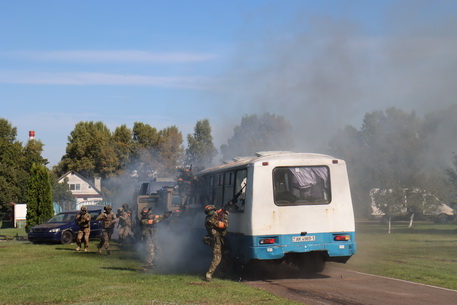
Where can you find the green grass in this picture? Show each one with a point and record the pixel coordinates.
(56, 274)
(425, 253)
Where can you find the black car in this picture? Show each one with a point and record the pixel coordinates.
(63, 228)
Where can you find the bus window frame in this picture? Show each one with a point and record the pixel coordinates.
(291, 201)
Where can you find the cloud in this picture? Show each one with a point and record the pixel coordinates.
(90, 78)
(130, 56)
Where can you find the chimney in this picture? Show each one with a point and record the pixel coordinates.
(98, 183)
(31, 135)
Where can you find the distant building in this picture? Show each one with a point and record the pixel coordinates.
(85, 192)
(19, 215)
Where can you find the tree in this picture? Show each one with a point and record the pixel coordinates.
(391, 202)
(386, 153)
(267, 132)
(145, 136)
(145, 146)
(200, 148)
(13, 176)
(441, 127)
(61, 193)
(452, 178)
(39, 196)
(123, 145)
(170, 150)
(90, 151)
(32, 154)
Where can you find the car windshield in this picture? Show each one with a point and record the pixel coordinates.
(63, 217)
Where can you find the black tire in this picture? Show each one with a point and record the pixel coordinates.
(67, 237)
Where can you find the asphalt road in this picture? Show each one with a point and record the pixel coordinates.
(339, 286)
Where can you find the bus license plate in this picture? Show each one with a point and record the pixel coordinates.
(297, 239)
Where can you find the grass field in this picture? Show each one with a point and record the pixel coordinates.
(425, 253)
(56, 274)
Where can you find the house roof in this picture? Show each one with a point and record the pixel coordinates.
(80, 177)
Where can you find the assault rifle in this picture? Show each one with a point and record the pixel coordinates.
(228, 204)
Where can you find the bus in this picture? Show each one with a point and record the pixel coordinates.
(293, 207)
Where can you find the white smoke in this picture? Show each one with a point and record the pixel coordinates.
(324, 72)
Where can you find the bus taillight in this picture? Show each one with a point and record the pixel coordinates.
(267, 241)
(342, 237)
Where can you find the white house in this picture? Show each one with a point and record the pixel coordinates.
(86, 192)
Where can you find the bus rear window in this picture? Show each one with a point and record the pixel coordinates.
(302, 185)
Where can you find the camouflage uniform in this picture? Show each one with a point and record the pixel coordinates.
(149, 232)
(108, 220)
(83, 221)
(184, 186)
(125, 221)
(217, 229)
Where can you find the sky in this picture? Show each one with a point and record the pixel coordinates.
(322, 64)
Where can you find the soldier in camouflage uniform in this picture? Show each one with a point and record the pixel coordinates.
(184, 186)
(216, 226)
(125, 222)
(149, 232)
(108, 220)
(83, 221)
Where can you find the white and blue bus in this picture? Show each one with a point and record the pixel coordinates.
(294, 208)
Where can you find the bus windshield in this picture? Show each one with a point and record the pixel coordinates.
(301, 185)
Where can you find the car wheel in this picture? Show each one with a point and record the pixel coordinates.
(67, 237)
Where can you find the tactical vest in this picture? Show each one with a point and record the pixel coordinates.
(84, 220)
(107, 220)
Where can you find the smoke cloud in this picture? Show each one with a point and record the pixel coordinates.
(325, 71)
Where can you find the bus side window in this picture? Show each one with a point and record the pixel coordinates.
(218, 200)
(240, 184)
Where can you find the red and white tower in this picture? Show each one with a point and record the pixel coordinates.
(31, 135)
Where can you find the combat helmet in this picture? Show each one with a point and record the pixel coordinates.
(107, 208)
(209, 209)
(145, 211)
(84, 209)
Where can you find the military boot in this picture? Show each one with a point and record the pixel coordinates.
(208, 277)
(77, 248)
(100, 250)
(85, 249)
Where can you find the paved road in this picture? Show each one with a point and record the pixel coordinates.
(343, 287)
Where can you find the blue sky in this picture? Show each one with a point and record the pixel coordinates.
(322, 64)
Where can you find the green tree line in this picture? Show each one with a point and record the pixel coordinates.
(392, 149)
(398, 151)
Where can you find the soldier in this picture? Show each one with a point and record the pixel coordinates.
(83, 221)
(184, 186)
(125, 223)
(149, 232)
(108, 220)
(216, 226)
(125, 207)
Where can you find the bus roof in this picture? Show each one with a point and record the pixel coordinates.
(264, 156)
